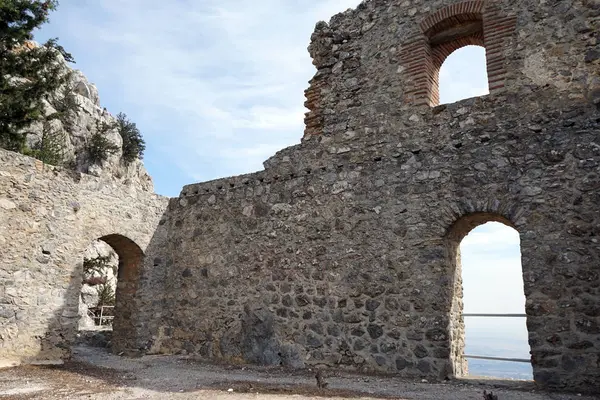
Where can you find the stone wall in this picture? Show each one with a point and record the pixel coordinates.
(344, 251)
(351, 261)
(48, 217)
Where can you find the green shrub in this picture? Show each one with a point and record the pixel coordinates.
(66, 105)
(133, 143)
(96, 265)
(99, 147)
(50, 148)
(106, 295)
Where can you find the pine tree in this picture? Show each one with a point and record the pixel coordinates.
(28, 73)
(99, 148)
(51, 146)
(133, 143)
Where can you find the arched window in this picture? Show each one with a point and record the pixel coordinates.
(463, 75)
(446, 30)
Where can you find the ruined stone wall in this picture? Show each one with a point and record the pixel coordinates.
(344, 251)
(375, 64)
(351, 261)
(48, 217)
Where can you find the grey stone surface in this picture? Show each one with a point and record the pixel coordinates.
(321, 244)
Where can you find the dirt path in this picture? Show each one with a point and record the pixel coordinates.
(95, 374)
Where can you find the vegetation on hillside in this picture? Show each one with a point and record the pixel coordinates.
(99, 148)
(34, 77)
(97, 265)
(95, 274)
(29, 73)
(133, 143)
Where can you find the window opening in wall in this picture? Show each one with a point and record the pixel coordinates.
(493, 284)
(463, 75)
(99, 285)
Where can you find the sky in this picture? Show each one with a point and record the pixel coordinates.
(217, 86)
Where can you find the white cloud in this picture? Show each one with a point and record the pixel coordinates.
(479, 91)
(493, 233)
(463, 75)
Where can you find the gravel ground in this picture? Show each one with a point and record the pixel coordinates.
(95, 374)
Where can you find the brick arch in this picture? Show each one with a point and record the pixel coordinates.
(131, 259)
(452, 15)
(455, 233)
(442, 52)
(446, 30)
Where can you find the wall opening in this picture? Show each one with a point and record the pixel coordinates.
(493, 284)
(444, 37)
(463, 75)
(488, 306)
(447, 29)
(112, 271)
(98, 290)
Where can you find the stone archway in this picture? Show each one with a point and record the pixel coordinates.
(131, 259)
(455, 234)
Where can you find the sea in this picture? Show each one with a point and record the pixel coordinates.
(498, 337)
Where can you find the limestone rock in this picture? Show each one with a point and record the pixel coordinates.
(77, 129)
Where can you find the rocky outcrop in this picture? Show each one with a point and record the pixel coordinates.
(76, 129)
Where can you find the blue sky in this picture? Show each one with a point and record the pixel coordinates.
(217, 86)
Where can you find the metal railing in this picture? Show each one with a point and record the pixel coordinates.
(101, 320)
(107, 317)
(521, 360)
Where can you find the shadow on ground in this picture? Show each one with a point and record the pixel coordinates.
(94, 373)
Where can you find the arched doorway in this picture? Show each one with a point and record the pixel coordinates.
(455, 235)
(493, 285)
(130, 258)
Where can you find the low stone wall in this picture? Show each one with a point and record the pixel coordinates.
(48, 217)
